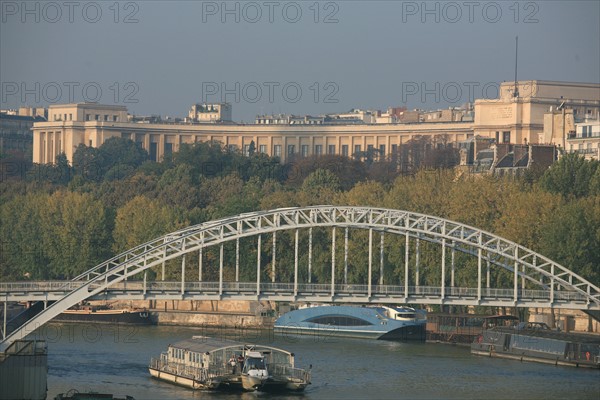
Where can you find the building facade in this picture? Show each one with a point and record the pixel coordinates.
(507, 119)
(520, 119)
(585, 139)
(210, 113)
(15, 129)
(284, 141)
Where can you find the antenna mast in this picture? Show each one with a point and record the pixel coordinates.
(516, 91)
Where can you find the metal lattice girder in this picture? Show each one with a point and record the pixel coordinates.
(506, 254)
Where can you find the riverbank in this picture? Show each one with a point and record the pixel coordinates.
(211, 319)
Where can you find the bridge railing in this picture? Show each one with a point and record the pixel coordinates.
(37, 287)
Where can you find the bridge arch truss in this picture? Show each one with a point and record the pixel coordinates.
(558, 286)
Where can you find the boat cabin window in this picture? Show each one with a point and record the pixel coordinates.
(339, 321)
(254, 363)
(406, 315)
(194, 357)
(177, 353)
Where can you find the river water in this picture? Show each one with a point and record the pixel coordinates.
(104, 359)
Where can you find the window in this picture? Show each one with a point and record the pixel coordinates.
(87, 117)
(153, 151)
(246, 150)
(97, 117)
(497, 137)
(70, 117)
(382, 150)
(114, 118)
(345, 150)
(291, 149)
(304, 150)
(318, 149)
(90, 143)
(105, 117)
(168, 148)
(356, 148)
(277, 150)
(394, 149)
(65, 117)
(262, 149)
(331, 149)
(338, 320)
(506, 137)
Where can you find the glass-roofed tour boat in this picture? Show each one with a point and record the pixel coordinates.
(219, 364)
(382, 322)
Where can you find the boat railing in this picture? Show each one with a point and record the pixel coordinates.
(286, 372)
(218, 370)
(179, 369)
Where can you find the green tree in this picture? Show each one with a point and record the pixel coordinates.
(116, 158)
(75, 233)
(87, 163)
(122, 151)
(571, 237)
(142, 219)
(570, 176)
(22, 248)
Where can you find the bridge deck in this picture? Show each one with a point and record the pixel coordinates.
(342, 293)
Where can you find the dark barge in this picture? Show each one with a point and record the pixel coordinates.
(536, 342)
(104, 315)
(462, 329)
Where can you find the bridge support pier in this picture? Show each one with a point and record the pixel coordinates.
(200, 257)
(443, 264)
(296, 239)
(333, 265)
(417, 260)
(406, 261)
(4, 322)
(237, 260)
(221, 270)
(163, 263)
(258, 265)
(487, 272)
(346, 256)
(452, 266)
(478, 274)
(183, 275)
(381, 259)
(273, 257)
(370, 262)
(309, 255)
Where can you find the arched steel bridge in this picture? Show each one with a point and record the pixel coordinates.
(549, 284)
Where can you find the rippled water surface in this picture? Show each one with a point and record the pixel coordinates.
(102, 359)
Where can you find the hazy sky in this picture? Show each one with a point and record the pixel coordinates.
(159, 57)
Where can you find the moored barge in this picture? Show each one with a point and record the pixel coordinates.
(219, 364)
(104, 315)
(536, 342)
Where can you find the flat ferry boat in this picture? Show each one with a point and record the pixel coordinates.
(219, 364)
(385, 323)
(534, 341)
(104, 314)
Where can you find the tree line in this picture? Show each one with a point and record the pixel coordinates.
(58, 221)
